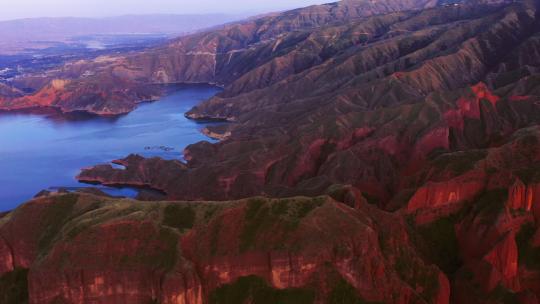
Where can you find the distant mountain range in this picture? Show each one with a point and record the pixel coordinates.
(21, 34)
(375, 151)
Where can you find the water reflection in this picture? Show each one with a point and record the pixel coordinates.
(42, 148)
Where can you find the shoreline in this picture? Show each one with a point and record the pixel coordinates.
(54, 118)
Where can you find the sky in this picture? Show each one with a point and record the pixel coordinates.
(16, 9)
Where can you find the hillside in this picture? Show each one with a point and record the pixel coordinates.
(219, 56)
(82, 248)
(407, 133)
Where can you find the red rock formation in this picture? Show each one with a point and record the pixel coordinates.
(525, 197)
(436, 200)
(124, 251)
(218, 56)
(504, 259)
(392, 106)
(470, 107)
(114, 262)
(6, 258)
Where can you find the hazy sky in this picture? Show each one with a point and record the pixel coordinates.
(15, 9)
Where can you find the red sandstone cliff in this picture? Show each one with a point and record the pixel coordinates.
(97, 249)
(430, 115)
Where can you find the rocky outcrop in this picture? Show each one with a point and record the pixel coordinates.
(107, 250)
(470, 216)
(394, 68)
(436, 200)
(106, 96)
(136, 171)
(524, 197)
(115, 84)
(356, 148)
(364, 135)
(310, 52)
(504, 260)
(104, 266)
(6, 257)
(429, 115)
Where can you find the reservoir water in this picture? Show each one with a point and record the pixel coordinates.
(46, 151)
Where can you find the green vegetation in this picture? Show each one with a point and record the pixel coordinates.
(214, 235)
(337, 192)
(431, 114)
(459, 162)
(477, 294)
(94, 215)
(180, 217)
(257, 218)
(371, 199)
(471, 286)
(474, 130)
(530, 174)
(441, 244)
(254, 205)
(255, 290)
(528, 255)
(504, 79)
(168, 257)
(55, 217)
(14, 287)
(165, 258)
(210, 212)
(417, 275)
(261, 215)
(529, 140)
(402, 198)
(435, 153)
(503, 296)
(344, 293)
(490, 204)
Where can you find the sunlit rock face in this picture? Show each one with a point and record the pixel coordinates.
(255, 54)
(122, 251)
(367, 101)
(409, 129)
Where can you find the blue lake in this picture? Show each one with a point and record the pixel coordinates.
(45, 151)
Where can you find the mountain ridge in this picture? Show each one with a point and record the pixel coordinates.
(408, 141)
(22, 35)
(209, 57)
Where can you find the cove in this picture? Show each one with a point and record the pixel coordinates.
(46, 151)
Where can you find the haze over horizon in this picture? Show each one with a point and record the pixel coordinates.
(105, 8)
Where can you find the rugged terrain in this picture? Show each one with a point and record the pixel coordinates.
(219, 57)
(83, 248)
(408, 131)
